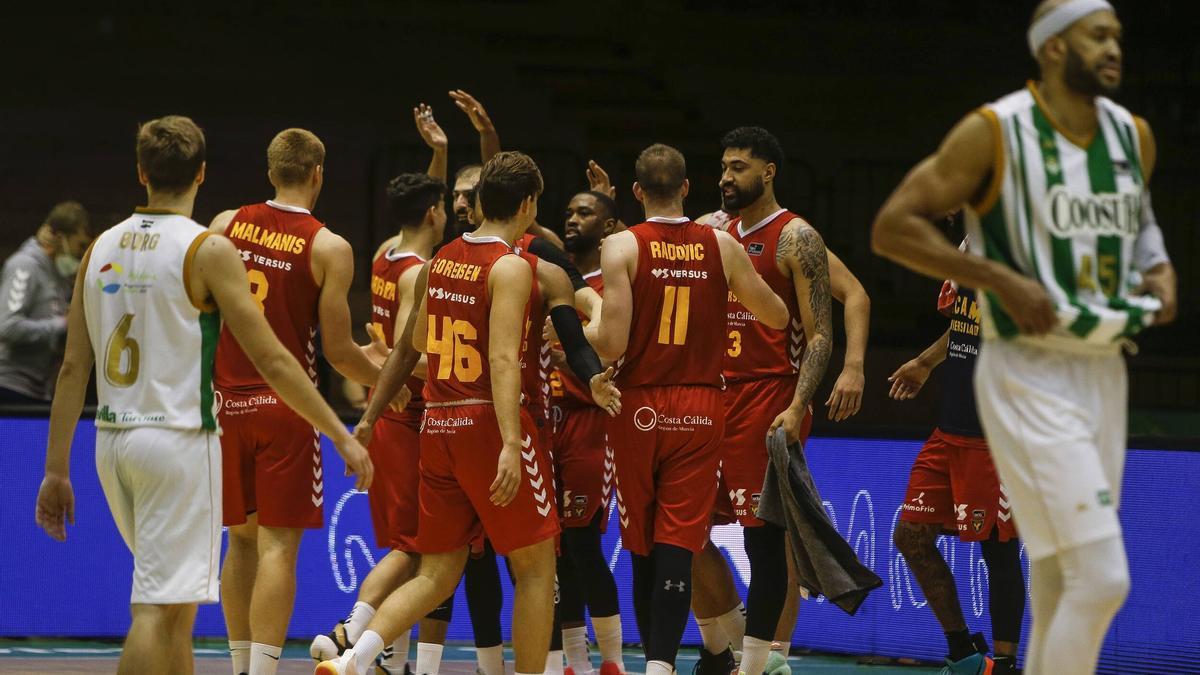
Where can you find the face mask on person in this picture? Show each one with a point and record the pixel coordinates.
(66, 263)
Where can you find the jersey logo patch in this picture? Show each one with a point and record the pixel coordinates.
(756, 248)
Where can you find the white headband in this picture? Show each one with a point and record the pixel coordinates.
(1060, 18)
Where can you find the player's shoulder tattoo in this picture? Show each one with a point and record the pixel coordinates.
(800, 242)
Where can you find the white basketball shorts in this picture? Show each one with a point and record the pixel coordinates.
(1055, 422)
(164, 489)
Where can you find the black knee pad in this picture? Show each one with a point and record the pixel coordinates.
(766, 551)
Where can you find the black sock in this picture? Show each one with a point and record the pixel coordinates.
(961, 644)
(484, 597)
(672, 601)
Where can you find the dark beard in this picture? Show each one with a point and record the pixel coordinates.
(1079, 78)
(741, 199)
(580, 243)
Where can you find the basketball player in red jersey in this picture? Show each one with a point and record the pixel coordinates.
(470, 323)
(299, 273)
(584, 468)
(417, 205)
(771, 377)
(665, 285)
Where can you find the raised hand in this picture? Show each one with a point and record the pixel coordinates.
(605, 393)
(474, 110)
(598, 180)
(428, 127)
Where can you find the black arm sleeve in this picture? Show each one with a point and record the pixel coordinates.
(553, 254)
(580, 356)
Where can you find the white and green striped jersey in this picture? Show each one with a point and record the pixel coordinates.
(154, 349)
(1065, 211)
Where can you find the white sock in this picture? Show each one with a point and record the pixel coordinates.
(429, 658)
(716, 640)
(659, 668)
(399, 651)
(491, 659)
(754, 655)
(554, 662)
(239, 651)
(608, 636)
(734, 624)
(264, 659)
(575, 644)
(356, 623)
(369, 645)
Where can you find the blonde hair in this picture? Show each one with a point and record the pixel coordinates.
(293, 155)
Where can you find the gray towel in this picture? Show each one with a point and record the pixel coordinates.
(827, 565)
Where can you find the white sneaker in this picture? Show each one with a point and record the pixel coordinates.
(342, 665)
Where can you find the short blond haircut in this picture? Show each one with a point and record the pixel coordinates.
(293, 155)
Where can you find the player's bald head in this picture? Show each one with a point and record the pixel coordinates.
(661, 172)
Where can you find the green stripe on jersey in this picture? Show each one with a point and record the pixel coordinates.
(996, 247)
(1062, 252)
(1109, 269)
(210, 330)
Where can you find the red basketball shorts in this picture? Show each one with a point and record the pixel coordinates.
(583, 464)
(460, 450)
(750, 407)
(396, 453)
(954, 484)
(270, 462)
(666, 444)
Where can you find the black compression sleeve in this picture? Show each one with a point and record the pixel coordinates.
(580, 356)
(553, 254)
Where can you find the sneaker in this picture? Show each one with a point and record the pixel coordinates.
(975, 664)
(331, 645)
(714, 664)
(1005, 665)
(381, 669)
(777, 664)
(568, 671)
(610, 668)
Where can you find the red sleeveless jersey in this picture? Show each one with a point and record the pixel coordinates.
(565, 388)
(385, 304)
(276, 242)
(755, 350)
(677, 332)
(535, 351)
(458, 313)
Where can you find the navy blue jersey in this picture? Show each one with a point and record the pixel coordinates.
(958, 414)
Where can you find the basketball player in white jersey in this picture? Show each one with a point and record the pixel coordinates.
(1069, 265)
(147, 305)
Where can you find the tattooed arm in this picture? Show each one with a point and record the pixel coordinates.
(801, 255)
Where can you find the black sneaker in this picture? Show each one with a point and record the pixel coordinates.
(714, 664)
(1005, 665)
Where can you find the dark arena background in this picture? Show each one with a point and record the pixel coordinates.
(857, 91)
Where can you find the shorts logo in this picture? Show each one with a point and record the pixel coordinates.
(645, 418)
(960, 511)
(1104, 497)
(977, 520)
(737, 497)
(918, 504)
